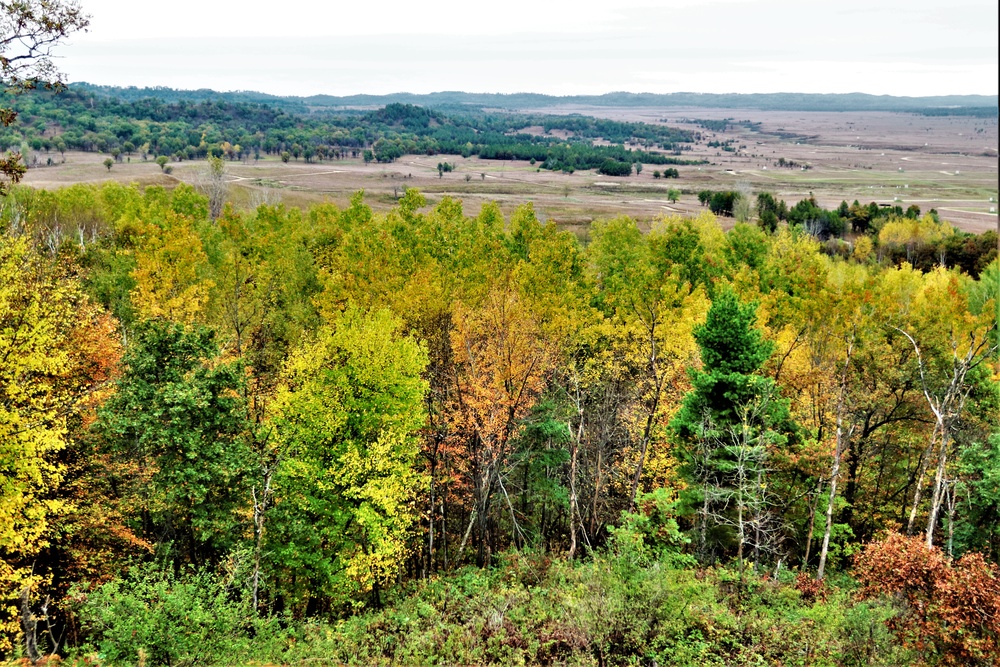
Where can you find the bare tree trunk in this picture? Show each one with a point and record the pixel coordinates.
(430, 529)
(642, 458)
(916, 501)
(573, 511)
(468, 531)
(29, 626)
(834, 471)
(740, 529)
(597, 494)
(431, 505)
(703, 536)
(947, 408)
(952, 499)
(482, 518)
(838, 453)
(938, 496)
(259, 515)
(651, 416)
(758, 522)
(917, 492)
(444, 533)
(741, 490)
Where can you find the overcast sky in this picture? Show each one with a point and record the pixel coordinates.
(297, 47)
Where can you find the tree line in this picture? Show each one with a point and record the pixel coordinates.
(980, 105)
(51, 124)
(894, 234)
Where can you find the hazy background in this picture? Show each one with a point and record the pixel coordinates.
(296, 47)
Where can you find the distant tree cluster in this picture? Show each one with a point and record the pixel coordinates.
(720, 203)
(891, 231)
(238, 130)
(612, 167)
(669, 172)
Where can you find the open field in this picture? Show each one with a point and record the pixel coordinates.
(948, 163)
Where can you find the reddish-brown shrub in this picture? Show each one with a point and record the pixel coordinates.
(812, 590)
(950, 609)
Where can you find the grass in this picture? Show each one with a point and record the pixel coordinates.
(569, 199)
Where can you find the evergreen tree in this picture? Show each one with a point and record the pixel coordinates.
(728, 423)
(732, 353)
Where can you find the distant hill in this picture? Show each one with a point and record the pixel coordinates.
(172, 96)
(944, 104)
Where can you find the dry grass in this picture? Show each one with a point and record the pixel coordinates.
(948, 163)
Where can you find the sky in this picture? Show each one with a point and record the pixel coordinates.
(559, 47)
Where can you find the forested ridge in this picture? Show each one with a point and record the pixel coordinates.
(283, 435)
(51, 123)
(940, 104)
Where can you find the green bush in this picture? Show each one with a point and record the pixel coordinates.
(188, 617)
(637, 603)
(651, 532)
(612, 167)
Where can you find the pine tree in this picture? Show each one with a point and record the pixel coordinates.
(727, 424)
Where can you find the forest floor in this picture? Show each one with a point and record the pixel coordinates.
(948, 163)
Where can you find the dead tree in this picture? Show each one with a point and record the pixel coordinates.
(213, 184)
(735, 488)
(946, 402)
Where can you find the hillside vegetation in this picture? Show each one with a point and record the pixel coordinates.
(432, 435)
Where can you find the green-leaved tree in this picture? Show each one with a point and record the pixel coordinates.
(345, 491)
(177, 422)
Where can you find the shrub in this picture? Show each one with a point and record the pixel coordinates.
(950, 609)
(652, 531)
(189, 617)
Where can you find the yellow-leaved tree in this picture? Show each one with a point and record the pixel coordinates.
(652, 300)
(170, 270)
(37, 313)
(345, 490)
(913, 233)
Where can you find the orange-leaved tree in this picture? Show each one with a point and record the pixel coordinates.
(501, 362)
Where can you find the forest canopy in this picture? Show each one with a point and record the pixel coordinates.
(238, 130)
(289, 417)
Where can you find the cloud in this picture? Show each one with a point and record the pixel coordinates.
(559, 47)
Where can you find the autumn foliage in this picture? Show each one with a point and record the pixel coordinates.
(950, 608)
(311, 410)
